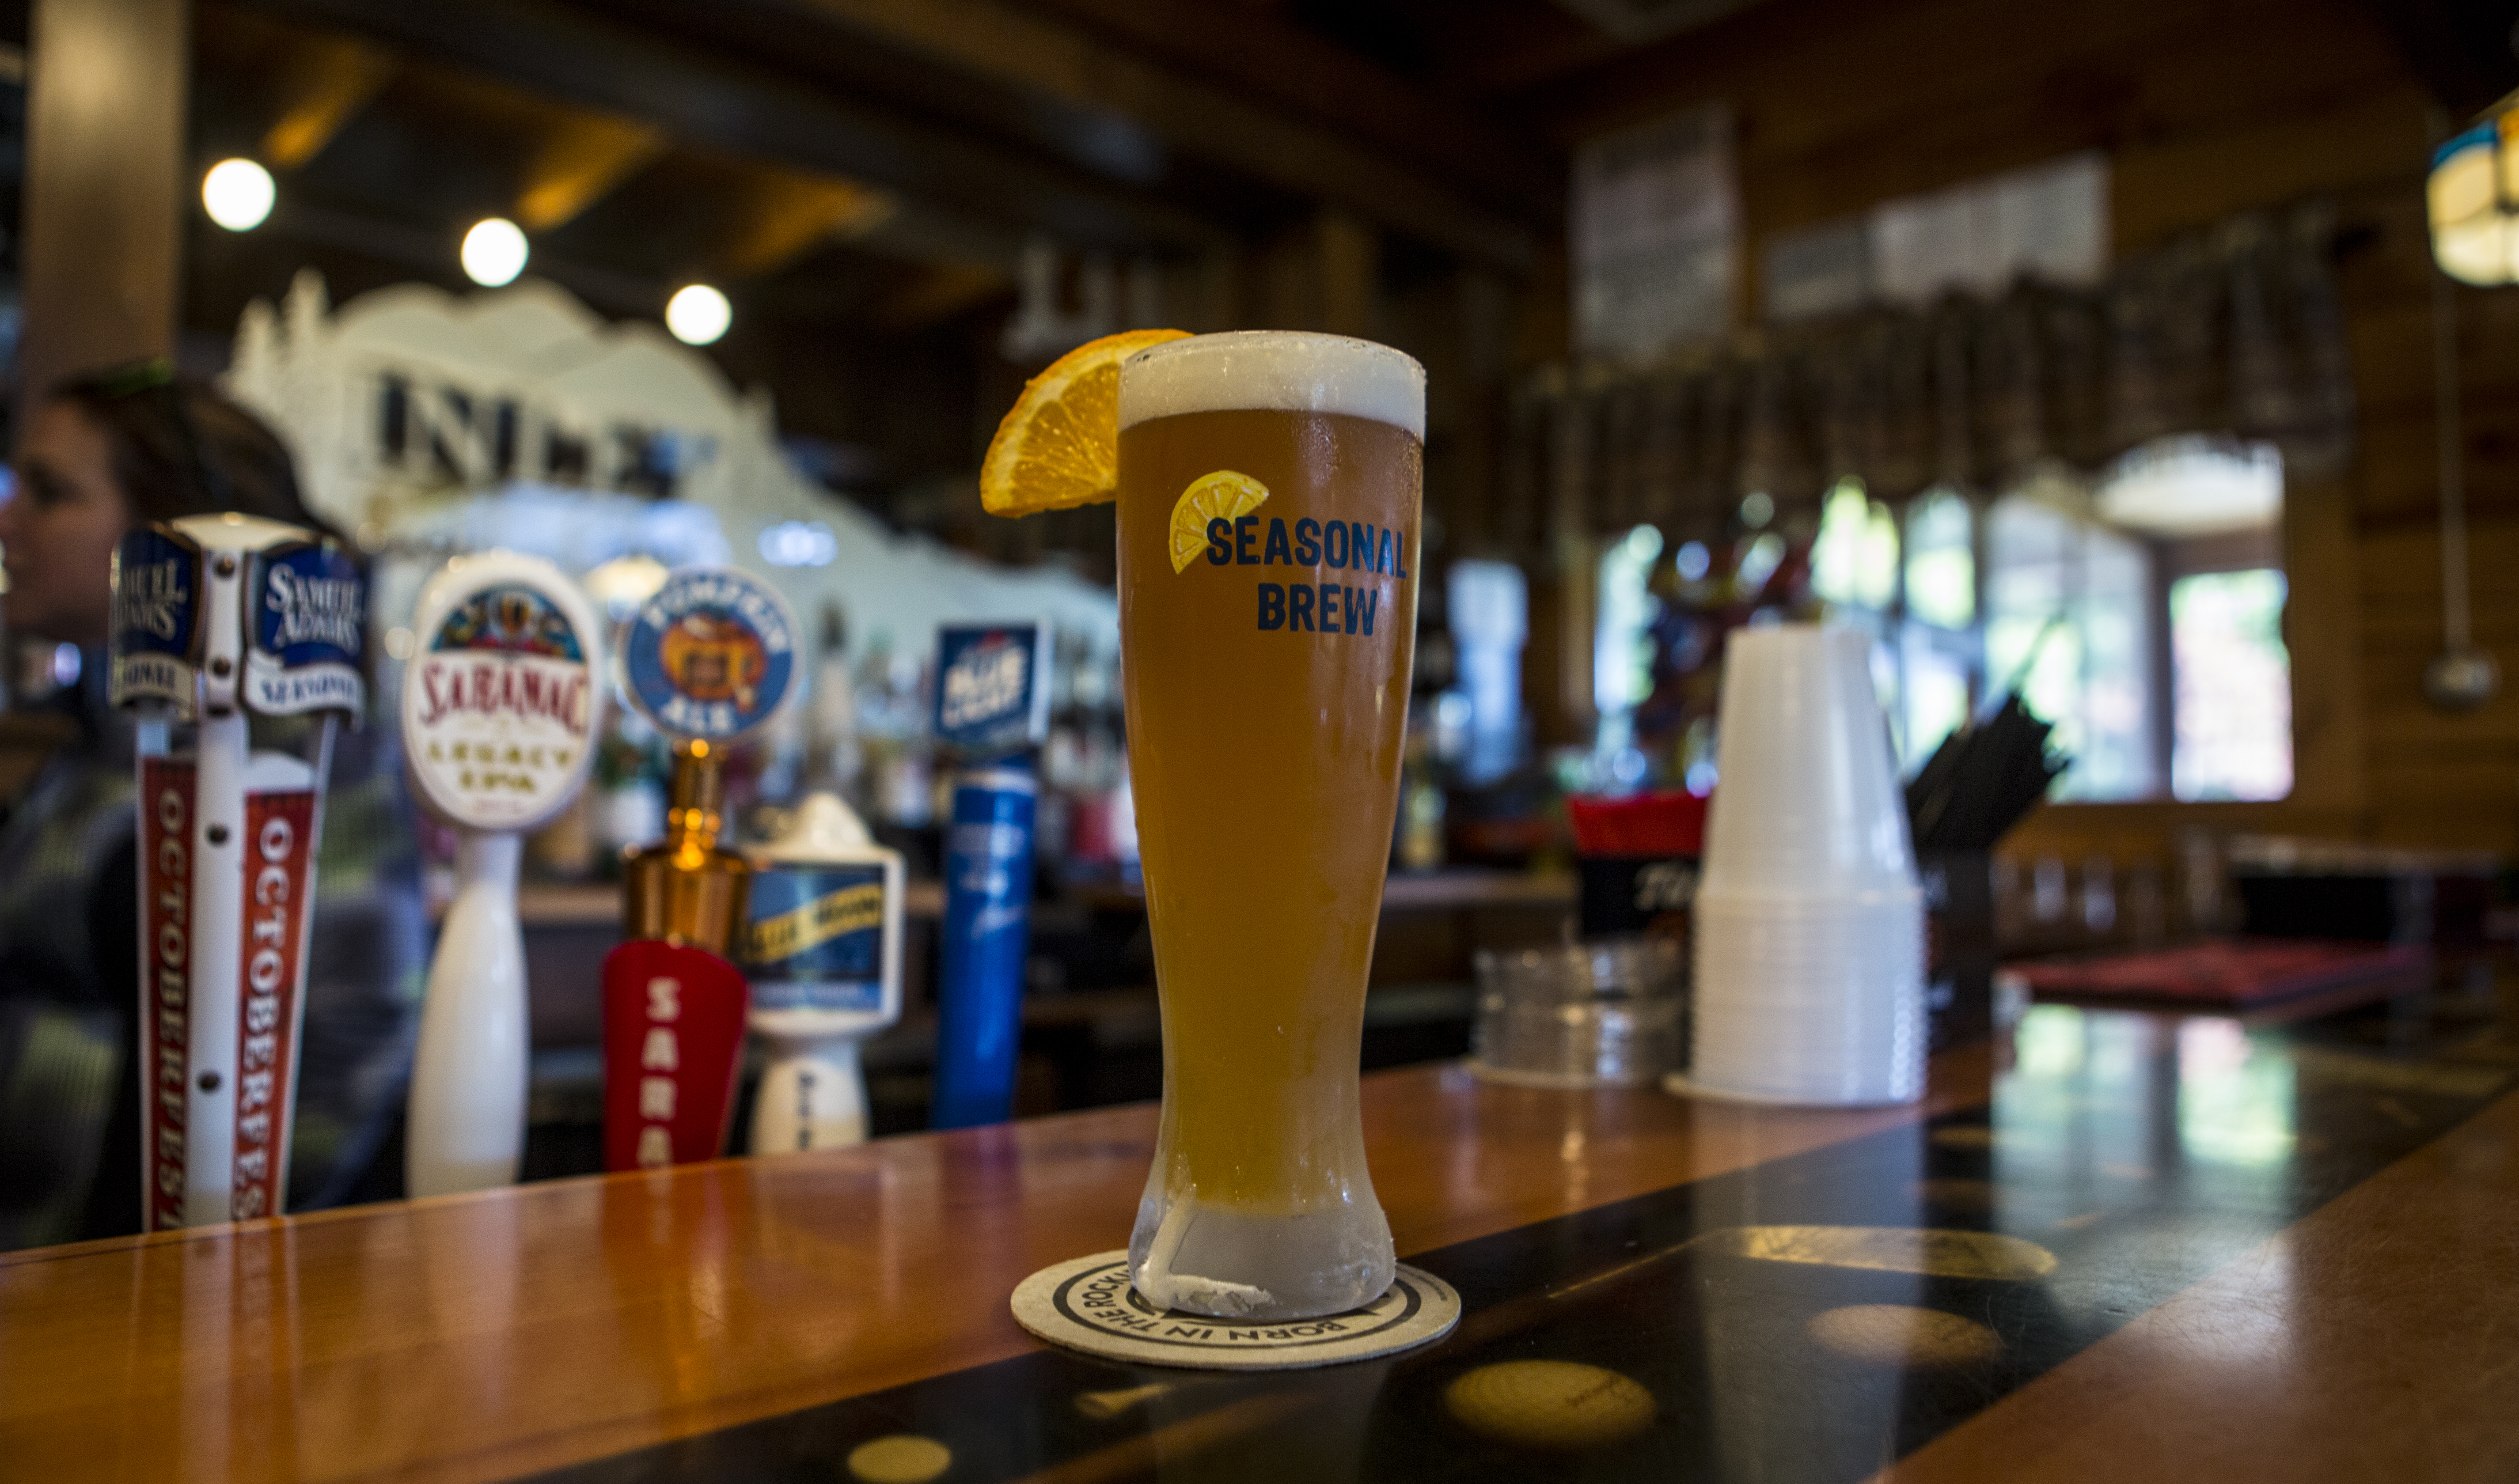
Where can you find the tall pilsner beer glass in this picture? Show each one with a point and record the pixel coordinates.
(1268, 507)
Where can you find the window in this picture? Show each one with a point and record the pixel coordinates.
(2143, 618)
(2068, 609)
(1939, 652)
(1622, 649)
(2234, 687)
(1855, 559)
(1911, 584)
(2141, 615)
(1941, 561)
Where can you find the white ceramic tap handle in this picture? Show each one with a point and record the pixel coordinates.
(811, 1096)
(467, 1087)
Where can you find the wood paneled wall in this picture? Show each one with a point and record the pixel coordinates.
(2204, 110)
(106, 182)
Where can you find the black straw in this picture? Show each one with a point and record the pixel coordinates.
(1982, 779)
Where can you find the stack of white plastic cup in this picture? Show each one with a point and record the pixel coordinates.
(1809, 920)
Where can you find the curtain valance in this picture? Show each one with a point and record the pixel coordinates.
(2233, 331)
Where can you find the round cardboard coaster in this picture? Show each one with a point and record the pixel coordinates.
(1087, 1304)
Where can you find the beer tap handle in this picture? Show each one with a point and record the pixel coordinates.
(500, 708)
(672, 1050)
(218, 619)
(709, 658)
(813, 1096)
(993, 710)
(467, 1087)
(823, 948)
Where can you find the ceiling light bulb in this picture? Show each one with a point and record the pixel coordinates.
(237, 193)
(494, 251)
(698, 315)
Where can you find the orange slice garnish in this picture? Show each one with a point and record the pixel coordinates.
(1060, 446)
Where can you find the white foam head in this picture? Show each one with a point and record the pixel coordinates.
(1274, 371)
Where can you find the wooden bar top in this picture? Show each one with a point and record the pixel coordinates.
(499, 1335)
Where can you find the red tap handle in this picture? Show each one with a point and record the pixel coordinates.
(672, 1042)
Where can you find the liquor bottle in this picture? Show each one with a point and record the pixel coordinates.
(900, 787)
(1419, 844)
(627, 793)
(837, 756)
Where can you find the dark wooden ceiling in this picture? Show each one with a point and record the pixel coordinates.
(748, 140)
(862, 176)
(644, 142)
(856, 170)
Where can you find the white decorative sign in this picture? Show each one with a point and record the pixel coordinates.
(425, 418)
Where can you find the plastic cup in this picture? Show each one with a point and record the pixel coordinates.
(1808, 923)
(1810, 803)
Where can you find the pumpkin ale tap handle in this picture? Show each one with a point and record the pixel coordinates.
(709, 659)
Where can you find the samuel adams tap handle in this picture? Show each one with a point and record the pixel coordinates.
(220, 621)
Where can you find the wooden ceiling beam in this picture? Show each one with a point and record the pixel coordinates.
(1228, 125)
(789, 215)
(579, 162)
(938, 292)
(2463, 50)
(326, 81)
(1249, 46)
(916, 232)
(424, 253)
(595, 62)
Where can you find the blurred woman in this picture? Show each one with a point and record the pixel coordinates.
(102, 455)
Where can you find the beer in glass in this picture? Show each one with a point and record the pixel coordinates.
(1268, 532)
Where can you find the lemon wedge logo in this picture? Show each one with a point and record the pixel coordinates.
(1221, 495)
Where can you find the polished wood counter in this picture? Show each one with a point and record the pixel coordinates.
(493, 1336)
